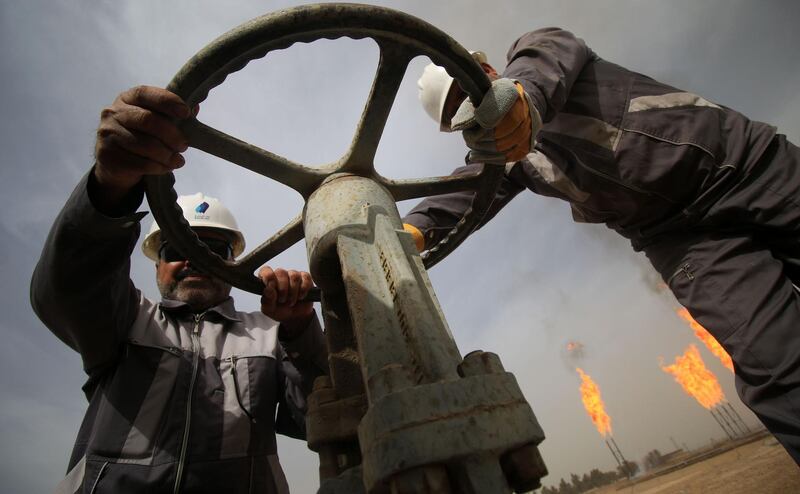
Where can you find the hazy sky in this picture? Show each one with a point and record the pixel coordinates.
(522, 287)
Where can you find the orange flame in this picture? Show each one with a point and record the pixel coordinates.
(710, 342)
(590, 394)
(691, 373)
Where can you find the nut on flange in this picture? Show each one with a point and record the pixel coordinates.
(524, 468)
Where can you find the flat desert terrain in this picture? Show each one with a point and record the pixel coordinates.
(755, 466)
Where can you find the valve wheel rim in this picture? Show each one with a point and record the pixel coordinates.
(400, 38)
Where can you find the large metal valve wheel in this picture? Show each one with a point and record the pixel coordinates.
(400, 38)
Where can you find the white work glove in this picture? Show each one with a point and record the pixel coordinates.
(504, 126)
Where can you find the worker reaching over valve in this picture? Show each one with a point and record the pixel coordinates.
(183, 391)
(709, 195)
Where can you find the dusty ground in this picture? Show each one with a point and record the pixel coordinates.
(761, 466)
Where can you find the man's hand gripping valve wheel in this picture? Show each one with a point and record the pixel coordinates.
(500, 130)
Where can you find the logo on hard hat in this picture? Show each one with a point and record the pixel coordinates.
(200, 209)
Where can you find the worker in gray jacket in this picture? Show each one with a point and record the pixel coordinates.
(710, 196)
(185, 394)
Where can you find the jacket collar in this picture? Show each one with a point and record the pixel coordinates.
(225, 309)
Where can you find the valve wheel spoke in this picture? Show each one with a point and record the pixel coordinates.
(282, 240)
(400, 38)
(300, 178)
(423, 187)
(392, 67)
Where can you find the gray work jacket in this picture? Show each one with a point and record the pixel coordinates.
(178, 402)
(623, 149)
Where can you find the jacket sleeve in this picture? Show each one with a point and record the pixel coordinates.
(437, 215)
(81, 289)
(303, 359)
(547, 62)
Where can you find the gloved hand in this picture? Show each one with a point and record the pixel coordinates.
(504, 126)
(419, 240)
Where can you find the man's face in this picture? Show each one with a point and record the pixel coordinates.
(178, 280)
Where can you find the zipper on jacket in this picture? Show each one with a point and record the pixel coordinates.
(232, 359)
(674, 143)
(612, 179)
(195, 360)
(169, 349)
(686, 270)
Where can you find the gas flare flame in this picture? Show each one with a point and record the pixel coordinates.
(709, 341)
(590, 395)
(693, 376)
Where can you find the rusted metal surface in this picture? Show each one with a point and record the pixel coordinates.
(332, 419)
(524, 468)
(401, 411)
(447, 422)
(422, 480)
(435, 422)
(332, 427)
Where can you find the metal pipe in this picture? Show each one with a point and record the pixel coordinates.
(724, 419)
(711, 410)
(624, 462)
(747, 428)
(613, 453)
(618, 450)
(728, 414)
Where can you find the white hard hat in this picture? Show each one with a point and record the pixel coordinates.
(200, 211)
(434, 85)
